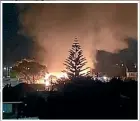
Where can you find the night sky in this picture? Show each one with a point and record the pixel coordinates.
(15, 46)
(46, 27)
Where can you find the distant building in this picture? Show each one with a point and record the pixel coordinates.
(6, 71)
(132, 73)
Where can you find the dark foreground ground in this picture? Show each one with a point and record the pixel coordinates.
(84, 99)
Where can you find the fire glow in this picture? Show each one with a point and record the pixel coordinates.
(95, 25)
(53, 77)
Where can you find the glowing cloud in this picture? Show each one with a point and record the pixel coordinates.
(97, 26)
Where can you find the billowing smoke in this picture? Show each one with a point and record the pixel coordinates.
(97, 27)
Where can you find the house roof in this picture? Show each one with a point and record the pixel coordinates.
(132, 69)
(14, 94)
(37, 86)
(12, 102)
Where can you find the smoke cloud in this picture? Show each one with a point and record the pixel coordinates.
(97, 26)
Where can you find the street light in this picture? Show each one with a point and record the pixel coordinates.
(125, 66)
(4, 68)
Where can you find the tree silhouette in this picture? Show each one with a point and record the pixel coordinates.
(75, 62)
(29, 71)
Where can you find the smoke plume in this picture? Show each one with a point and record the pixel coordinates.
(97, 26)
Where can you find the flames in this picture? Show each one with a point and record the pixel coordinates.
(54, 77)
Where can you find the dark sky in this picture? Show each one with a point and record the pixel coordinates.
(97, 26)
(15, 46)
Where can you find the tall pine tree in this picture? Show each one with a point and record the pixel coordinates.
(75, 62)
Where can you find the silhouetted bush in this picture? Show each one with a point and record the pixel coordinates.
(89, 99)
(86, 98)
